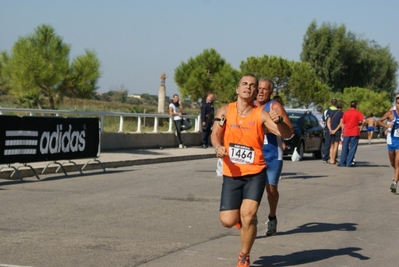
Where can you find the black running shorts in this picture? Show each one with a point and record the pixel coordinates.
(235, 190)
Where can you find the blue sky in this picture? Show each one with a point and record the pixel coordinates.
(138, 40)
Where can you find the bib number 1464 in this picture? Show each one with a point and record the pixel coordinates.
(241, 154)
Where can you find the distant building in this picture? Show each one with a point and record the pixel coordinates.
(134, 96)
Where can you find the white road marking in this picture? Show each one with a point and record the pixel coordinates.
(8, 265)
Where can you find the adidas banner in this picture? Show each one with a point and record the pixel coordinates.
(32, 139)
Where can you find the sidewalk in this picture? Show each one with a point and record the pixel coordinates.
(119, 158)
(108, 159)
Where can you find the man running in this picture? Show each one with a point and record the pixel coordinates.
(391, 119)
(272, 151)
(371, 123)
(237, 135)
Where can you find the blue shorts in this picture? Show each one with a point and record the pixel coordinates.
(370, 128)
(394, 146)
(273, 171)
(390, 148)
(235, 190)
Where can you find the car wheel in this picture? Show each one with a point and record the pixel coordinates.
(319, 154)
(301, 149)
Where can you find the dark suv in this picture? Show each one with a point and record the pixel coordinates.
(309, 135)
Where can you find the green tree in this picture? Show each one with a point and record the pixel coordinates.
(304, 87)
(368, 100)
(297, 81)
(83, 76)
(39, 66)
(224, 84)
(207, 72)
(343, 60)
(275, 68)
(4, 77)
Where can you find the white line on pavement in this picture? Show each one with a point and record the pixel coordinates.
(8, 265)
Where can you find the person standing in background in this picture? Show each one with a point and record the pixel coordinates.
(175, 110)
(352, 121)
(207, 115)
(327, 137)
(334, 124)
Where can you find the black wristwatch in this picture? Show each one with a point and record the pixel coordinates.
(280, 120)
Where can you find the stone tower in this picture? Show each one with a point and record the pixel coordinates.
(162, 95)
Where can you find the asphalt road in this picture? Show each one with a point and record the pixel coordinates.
(167, 215)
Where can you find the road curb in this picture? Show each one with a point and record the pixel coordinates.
(25, 171)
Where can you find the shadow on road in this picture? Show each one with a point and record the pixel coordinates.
(308, 256)
(317, 227)
(299, 175)
(287, 176)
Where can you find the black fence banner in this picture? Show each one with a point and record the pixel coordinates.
(32, 139)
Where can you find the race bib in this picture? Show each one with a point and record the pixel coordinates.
(396, 133)
(241, 154)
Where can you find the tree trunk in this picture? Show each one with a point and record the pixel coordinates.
(39, 106)
(51, 100)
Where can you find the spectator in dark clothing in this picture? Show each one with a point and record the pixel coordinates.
(327, 138)
(207, 115)
(334, 124)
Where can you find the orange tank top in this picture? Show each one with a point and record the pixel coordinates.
(243, 140)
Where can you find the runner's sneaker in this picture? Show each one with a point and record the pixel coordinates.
(243, 260)
(271, 227)
(182, 146)
(393, 187)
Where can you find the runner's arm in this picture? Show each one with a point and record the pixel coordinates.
(280, 110)
(219, 124)
(271, 123)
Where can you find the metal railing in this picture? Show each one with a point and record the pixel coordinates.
(102, 114)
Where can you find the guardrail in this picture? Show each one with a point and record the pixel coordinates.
(102, 114)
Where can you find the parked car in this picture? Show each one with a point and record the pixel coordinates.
(308, 134)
